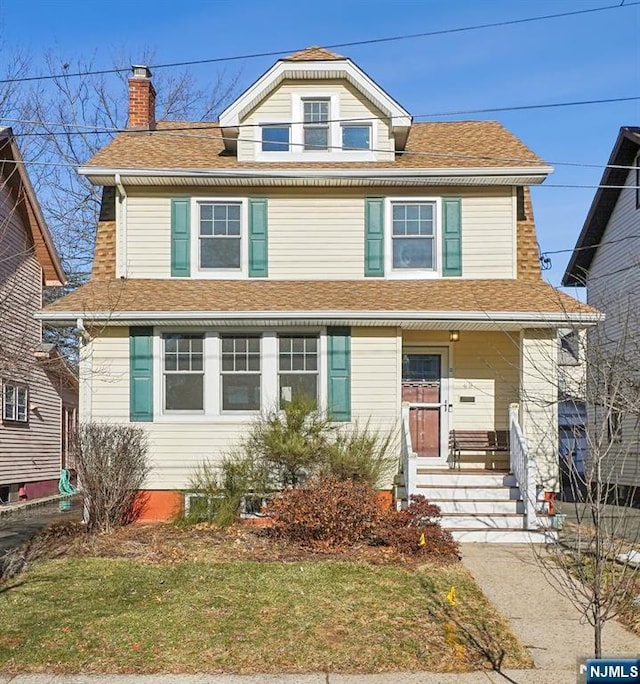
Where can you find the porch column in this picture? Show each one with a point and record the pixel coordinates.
(539, 402)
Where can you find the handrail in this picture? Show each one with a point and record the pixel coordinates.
(523, 467)
(408, 454)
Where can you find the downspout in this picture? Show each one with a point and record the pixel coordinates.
(121, 229)
(85, 370)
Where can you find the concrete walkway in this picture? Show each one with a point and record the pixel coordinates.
(545, 621)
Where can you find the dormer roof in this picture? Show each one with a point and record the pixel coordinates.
(305, 65)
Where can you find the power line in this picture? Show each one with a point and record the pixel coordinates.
(356, 43)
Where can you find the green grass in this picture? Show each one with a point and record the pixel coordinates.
(115, 615)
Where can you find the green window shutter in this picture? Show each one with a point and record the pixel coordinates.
(339, 370)
(181, 237)
(140, 374)
(258, 256)
(374, 237)
(451, 237)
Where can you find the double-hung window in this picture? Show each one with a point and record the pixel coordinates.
(298, 367)
(316, 124)
(240, 373)
(15, 406)
(413, 235)
(183, 372)
(219, 235)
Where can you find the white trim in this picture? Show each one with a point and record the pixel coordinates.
(219, 273)
(85, 374)
(212, 386)
(405, 273)
(518, 317)
(343, 68)
(530, 173)
(514, 232)
(121, 210)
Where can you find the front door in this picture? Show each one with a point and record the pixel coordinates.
(424, 388)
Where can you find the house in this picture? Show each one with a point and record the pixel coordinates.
(39, 391)
(316, 239)
(606, 262)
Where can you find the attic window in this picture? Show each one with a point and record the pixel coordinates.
(275, 138)
(316, 124)
(356, 137)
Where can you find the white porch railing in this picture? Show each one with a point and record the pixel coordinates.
(523, 467)
(408, 455)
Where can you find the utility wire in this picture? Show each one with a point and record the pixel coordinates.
(356, 43)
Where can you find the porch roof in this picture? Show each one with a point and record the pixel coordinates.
(477, 303)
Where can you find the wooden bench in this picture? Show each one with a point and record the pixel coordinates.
(476, 440)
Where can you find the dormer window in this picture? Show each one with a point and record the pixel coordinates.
(356, 136)
(316, 124)
(276, 137)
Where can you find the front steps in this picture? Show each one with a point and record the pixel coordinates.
(479, 505)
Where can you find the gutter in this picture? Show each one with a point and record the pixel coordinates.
(520, 317)
(351, 172)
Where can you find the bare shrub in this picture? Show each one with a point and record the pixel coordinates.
(112, 465)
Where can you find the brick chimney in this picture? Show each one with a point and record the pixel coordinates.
(142, 99)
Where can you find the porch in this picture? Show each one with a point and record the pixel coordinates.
(479, 429)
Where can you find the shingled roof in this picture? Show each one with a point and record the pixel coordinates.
(329, 296)
(315, 53)
(200, 146)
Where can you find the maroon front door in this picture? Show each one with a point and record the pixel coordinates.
(421, 388)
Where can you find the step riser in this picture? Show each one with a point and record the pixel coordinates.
(482, 522)
(502, 537)
(481, 507)
(436, 494)
(461, 479)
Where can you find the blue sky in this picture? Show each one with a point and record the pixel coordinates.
(584, 57)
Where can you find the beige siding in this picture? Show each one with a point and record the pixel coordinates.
(321, 235)
(28, 451)
(316, 237)
(539, 402)
(277, 107)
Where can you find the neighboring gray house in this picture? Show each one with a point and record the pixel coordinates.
(39, 391)
(606, 260)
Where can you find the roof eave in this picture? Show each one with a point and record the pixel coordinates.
(577, 269)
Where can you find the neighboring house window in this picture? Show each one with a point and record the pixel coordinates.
(298, 366)
(183, 372)
(316, 124)
(614, 425)
(275, 138)
(15, 400)
(356, 137)
(413, 235)
(240, 373)
(220, 235)
(570, 349)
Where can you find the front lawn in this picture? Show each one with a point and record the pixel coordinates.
(191, 611)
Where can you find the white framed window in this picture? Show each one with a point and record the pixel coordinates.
(412, 237)
(315, 127)
(232, 375)
(15, 402)
(275, 137)
(297, 366)
(356, 136)
(240, 373)
(219, 246)
(183, 372)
